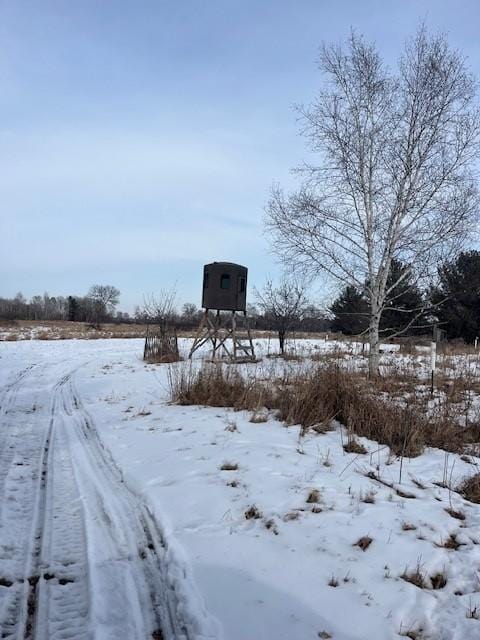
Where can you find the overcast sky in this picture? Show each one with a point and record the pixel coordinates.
(139, 139)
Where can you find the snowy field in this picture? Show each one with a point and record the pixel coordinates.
(118, 521)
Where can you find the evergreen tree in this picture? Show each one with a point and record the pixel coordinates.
(350, 312)
(459, 289)
(405, 304)
(72, 308)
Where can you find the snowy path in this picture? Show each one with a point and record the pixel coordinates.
(119, 517)
(81, 557)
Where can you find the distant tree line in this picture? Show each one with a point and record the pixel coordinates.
(307, 317)
(97, 306)
(453, 305)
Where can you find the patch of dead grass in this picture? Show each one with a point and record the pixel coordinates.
(354, 446)
(313, 497)
(458, 515)
(253, 513)
(258, 417)
(470, 488)
(229, 466)
(451, 542)
(364, 542)
(438, 580)
(416, 576)
(291, 515)
(368, 497)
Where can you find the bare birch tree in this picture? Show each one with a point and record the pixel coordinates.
(394, 179)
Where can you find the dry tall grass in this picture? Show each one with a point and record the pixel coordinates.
(216, 385)
(470, 488)
(313, 399)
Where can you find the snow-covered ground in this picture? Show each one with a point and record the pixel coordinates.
(117, 502)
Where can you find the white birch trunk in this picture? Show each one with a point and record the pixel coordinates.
(374, 341)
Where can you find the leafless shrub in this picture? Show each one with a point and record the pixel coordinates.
(470, 488)
(333, 582)
(161, 341)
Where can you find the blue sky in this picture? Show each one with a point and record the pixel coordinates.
(139, 139)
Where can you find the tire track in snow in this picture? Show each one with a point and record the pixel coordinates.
(174, 605)
(10, 433)
(8, 390)
(29, 487)
(76, 544)
(127, 531)
(62, 593)
(78, 564)
(21, 478)
(82, 557)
